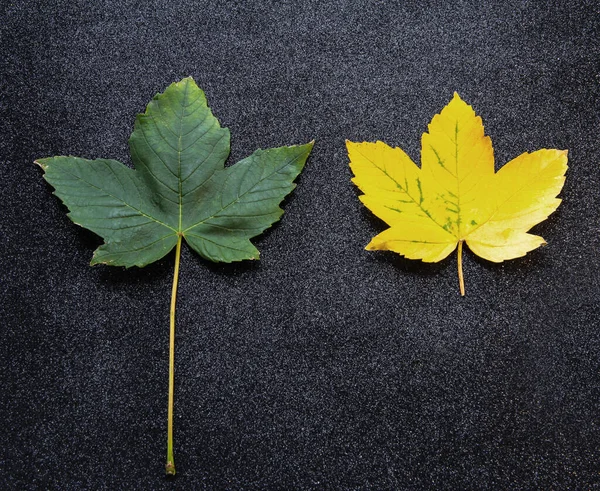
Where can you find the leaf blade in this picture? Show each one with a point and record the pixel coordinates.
(177, 144)
(525, 189)
(107, 198)
(517, 208)
(244, 199)
(178, 149)
(420, 240)
(456, 159)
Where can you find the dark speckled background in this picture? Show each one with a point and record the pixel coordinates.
(323, 366)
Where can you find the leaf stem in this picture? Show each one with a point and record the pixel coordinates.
(461, 279)
(170, 466)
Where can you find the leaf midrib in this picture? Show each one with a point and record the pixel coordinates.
(458, 194)
(179, 180)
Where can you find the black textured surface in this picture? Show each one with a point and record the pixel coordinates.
(323, 366)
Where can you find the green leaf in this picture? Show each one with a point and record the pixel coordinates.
(179, 187)
(179, 190)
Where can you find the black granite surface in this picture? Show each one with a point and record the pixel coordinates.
(323, 366)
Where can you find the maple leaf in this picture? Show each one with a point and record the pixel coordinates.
(455, 197)
(179, 190)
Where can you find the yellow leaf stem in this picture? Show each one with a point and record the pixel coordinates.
(461, 279)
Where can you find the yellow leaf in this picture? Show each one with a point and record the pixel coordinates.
(455, 196)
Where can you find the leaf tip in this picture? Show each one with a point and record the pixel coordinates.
(309, 145)
(372, 246)
(350, 144)
(186, 80)
(41, 163)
